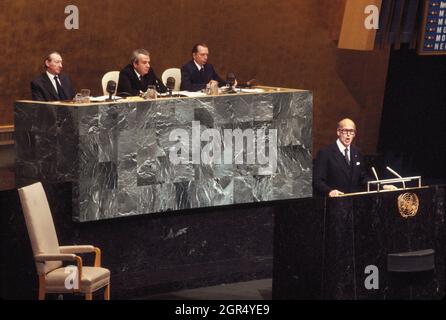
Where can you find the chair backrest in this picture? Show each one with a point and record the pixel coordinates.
(40, 225)
(175, 73)
(111, 75)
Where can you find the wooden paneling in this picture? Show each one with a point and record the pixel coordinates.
(6, 135)
(354, 35)
(280, 43)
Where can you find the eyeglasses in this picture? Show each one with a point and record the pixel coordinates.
(352, 132)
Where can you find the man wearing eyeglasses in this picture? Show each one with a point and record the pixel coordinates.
(339, 167)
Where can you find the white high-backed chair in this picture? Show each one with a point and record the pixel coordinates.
(175, 73)
(48, 255)
(111, 75)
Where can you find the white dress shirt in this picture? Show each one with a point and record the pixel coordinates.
(198, 66)
(137, 74)
(342, 149)
(51, 76)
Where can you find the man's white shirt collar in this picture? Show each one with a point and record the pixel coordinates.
(342, 148)
(51, 77)
(137, 74)
(198, 66)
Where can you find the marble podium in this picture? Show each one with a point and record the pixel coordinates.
(120, 156)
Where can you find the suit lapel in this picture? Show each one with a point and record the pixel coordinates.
(49, 86)
(135, 80)
(201, 75)
(63, 82)
(341, 161)
(354, 159)
(64, 85)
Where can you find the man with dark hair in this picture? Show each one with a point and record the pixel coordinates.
(52, 85)
(138, 75)
(197, 73)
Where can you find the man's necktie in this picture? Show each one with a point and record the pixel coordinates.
(202, 73)
(60, 90)
(347, 158)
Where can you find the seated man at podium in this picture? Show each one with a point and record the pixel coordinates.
(138, 75)
(339, 167)
(197, 73)
(52, 85)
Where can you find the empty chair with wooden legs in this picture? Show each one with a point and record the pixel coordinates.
(54, 277)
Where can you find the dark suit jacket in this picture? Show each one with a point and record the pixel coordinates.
(129, 82)
(43, 90)
(193, 80)
(332, 172)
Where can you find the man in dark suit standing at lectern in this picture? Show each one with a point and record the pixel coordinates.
(197, 73)
(339, 167)
(52, 85)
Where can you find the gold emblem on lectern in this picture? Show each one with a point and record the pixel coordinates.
(408, 204)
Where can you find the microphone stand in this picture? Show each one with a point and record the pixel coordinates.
(400, 179)
(231, 89)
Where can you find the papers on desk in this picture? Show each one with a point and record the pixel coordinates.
(252, 90)
(103, 98)
(198, 94)
(190, 93)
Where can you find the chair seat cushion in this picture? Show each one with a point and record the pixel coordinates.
(93, 278)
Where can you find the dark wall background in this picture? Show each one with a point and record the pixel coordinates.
(413, 127)
(281, 43)
(145, 254)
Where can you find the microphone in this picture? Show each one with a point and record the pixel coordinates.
(374, 173)
(252, 82)
(390, 169)
(248, 84)
(170, 84)
(111, 87)
(230, 80)
(395, 173)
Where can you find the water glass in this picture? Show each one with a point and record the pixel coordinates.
(85, 95)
